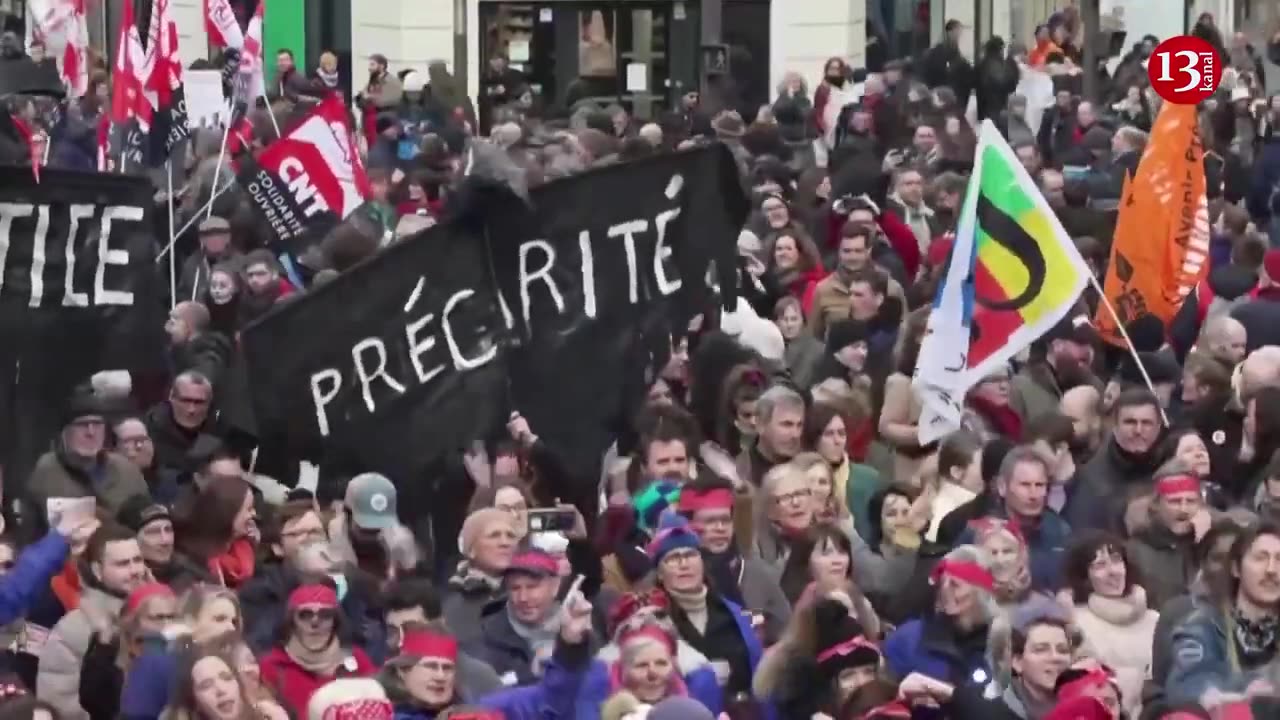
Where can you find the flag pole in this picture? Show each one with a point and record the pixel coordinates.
(1133, 351)
(194, 218)
(217, 169)
(173, 257)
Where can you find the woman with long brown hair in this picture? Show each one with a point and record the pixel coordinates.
(216, 529)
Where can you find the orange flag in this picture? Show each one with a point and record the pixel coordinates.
(1160, 250)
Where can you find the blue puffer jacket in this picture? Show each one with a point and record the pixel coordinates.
(929, 646)
(1204, 657)
(551, 699)
(35, 567)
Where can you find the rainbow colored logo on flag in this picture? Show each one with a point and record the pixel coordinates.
(1012, 275)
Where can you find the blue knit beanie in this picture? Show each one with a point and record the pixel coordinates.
(673, 533)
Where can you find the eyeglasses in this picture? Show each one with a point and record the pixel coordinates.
(134, 442)
(793, 497)
(307, 615)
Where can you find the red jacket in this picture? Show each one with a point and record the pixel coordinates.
(295, 686)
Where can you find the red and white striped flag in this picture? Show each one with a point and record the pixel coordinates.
(131, 111)
(63, 23)
(131, 75)
(221, 25)
(162, 52)
(251, 84)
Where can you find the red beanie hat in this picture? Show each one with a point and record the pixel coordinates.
(145, 593)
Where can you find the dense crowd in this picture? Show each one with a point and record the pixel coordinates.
(771, 538)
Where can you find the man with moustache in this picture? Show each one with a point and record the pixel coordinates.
(1067, 354)
(1122, 467)
(1228, 647)
(1164, 552)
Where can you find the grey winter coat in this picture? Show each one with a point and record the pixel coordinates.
(62, 657)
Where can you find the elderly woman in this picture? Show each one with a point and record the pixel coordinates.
(648, 659)
(1111, 611)
(950, 643)
(1010, 560)
(310, 652)
(421, 680)
(704, 618)
(489, 540)
(784, 512)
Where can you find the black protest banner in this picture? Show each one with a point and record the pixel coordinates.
(426, 345)
(78, 294)
(600, 274)
(387, 366)
(309, 180)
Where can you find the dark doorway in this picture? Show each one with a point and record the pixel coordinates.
(745, 30)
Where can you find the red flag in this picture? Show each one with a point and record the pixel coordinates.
(221, 24)
(128, 98)
(162, 50)
(251, 84)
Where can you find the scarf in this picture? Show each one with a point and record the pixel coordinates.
(323, 663)
(235, 566)
(66, 586)
(1020, 702)
(541, 637)
(724, 569)
(1256, 639)
(694, 606)
(330, 79)
(471, 580)
(1004, 419)
(1120, 611)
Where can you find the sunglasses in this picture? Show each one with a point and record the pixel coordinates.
(308, 615)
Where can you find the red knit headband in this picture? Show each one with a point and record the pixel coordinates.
(1178, 484)
(713, 499)
(848, 646)
(964, 571)
(321, 595)
(430, 645)
(1091, 679)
